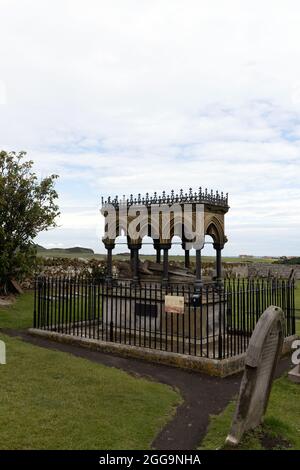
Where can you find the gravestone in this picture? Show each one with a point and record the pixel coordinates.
(264, 349)
(2, 353)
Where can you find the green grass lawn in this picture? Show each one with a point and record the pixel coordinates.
(282, 420)
(53, 400)
(281, 428)
(18, 315)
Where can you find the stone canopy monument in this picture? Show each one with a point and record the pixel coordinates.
(264, 349)
(188, 217)
(190, 316)
(161, 217)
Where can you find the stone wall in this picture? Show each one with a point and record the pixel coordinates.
(281, 270)
(235, 269)
(260, 270)
(71, 267)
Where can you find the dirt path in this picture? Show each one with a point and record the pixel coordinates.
(203, 395)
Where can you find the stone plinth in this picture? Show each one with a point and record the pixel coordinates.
(144, 310)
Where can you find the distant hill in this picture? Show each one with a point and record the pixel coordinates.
(40, 248)
(75, 249)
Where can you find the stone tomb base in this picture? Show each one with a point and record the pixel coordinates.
(142, 315)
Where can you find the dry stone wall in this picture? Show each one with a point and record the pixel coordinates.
(267, 269)
(81, 266)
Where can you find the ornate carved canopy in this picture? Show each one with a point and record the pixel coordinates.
(215, 206)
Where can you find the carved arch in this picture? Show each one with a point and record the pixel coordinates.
(215, 229)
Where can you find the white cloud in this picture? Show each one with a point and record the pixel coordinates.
(134, 96)
(2, 92)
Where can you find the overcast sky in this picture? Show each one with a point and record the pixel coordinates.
(129, 96)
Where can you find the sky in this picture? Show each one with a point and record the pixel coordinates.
(136, 96)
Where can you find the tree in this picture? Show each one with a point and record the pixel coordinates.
(27, 207)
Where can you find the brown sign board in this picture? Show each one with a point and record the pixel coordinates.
(174, 304)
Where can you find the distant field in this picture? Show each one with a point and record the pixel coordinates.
(225, 259)
(62, 254)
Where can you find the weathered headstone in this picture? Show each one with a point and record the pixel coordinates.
(261, 359)
(2, 353)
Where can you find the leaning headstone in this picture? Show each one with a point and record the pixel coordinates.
(264, 349)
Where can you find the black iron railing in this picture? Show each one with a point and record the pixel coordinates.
(216, 323)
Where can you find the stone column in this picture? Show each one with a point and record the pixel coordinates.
(134, 250)
(218, 247)
(166, 248)
(198, 278)
(109, 248)
(157, 247)
(131, 260)
(186, 256)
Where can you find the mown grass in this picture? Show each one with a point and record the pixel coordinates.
(281, 428)
(53, 400)
(19, 314)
